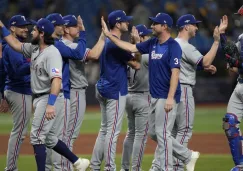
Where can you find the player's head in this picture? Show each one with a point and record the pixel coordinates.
(57, 20)
(162, 23)
(188, 24)
(119, 20)
(19, 26)
(71, 26)
(143, 32)
(42, 32)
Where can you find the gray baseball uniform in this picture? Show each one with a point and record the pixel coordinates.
(77, 101)
(137, 107)
(45, 65)
(182, 130)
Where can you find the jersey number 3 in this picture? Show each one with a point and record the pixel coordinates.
(176, 61)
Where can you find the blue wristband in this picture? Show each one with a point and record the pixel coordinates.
(5, 32)
(52, 99)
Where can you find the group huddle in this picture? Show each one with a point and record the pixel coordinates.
(151, 78)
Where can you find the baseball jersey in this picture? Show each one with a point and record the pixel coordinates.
(191, 57)
(76, 68)
(113, 71)
(138, 79)
(17, 70)
(45, 65)
(70, 53)
(162, 58)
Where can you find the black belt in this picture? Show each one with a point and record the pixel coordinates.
(141, 92)
(39, 95)
(82, 88)
(186, 84)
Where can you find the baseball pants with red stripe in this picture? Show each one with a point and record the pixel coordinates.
(20, 106)
(53, 159)
(77, 107)
(112, 112)
(182, 130)
(137, 108)
(160, 127)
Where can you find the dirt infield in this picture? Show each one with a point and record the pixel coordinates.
(204, 143)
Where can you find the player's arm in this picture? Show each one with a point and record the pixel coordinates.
(122, 44)
(209, 57)
(95, 52)
(10, 39)
(2, 78)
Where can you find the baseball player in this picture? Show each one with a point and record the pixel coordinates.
(111, 91)
(66, 53)
(234, 113)
(164, 60)
(192, 59)
(46, 75)
(137, 107)
(17, 89)
(78, 81)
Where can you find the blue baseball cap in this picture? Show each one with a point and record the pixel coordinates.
(118, 16)
(55, 19)
(45, 25)
(70, 20)
(19, 20)
(162, 18)
(142, 30)
(186, 19)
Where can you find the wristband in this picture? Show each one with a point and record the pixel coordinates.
(52, 99)
(5, 32)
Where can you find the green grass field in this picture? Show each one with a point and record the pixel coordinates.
(207, 120)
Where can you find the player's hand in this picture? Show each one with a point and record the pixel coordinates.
(105, 28)
(212, 69)
(216, 34)
(50, 112)
(4, 106)
(223, 24)
(80, 24)
(169, 104)
(1, 24)
(135, 36)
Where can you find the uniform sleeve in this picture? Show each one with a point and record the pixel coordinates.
(192, 55)
(145, 60)
(20, 66)
(69, 53)
(74, 45)
(54, 65)
(143, 47)
(176, 53)
(27, 49)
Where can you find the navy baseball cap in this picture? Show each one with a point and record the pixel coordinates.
(118, 16)
(186, 19)
(142, 30)
(70, 20)
(55, 19)
(240, 11)
(45, 25)
(19, 20)
(162, 18)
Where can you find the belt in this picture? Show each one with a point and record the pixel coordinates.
(138, 92)
(39, 95)
(82, 88)
(186, 84)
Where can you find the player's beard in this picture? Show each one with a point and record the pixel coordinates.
(36, 40)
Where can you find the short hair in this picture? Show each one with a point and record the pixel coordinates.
(48, 39)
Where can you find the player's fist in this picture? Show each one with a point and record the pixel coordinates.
(212, 69)
(50, 112)
(169, 104)
(80, 24)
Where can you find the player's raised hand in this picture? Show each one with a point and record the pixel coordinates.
(80, 24)
(104, 27)
(216, 34)
(50, 112)
(223, 24)
(169, 104)
(134, 35)
(211, 69)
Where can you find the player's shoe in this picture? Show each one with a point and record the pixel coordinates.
(81, 164)
(237, 168)
(191, 165)
(124, 170)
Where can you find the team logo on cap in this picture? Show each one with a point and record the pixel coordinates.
(14, 22)
(140, 33)
(74, 17)
(53, 21)
(144, 26)
(118, 18)
(23, 17)
(187, 21)
(124, 12)
(157, 14)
